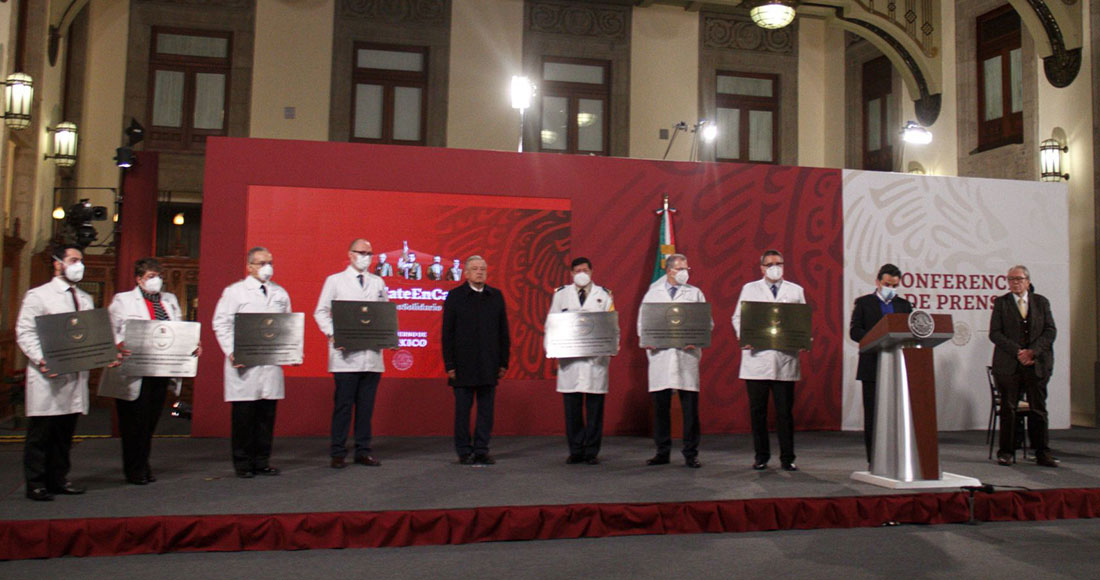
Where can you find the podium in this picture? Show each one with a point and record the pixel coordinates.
(906, 442)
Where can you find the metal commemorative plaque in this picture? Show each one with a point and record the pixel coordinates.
(364, 325)
(161, 348)
(581, 334)
(776, 325)
(76, 341)
(268, 338)
(675, 324)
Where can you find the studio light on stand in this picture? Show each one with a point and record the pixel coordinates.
(773, 14)
(522, 93)
(681, 126)
(1050, 161)
(707, 131)
(915, 134)
(18, 99)
(64, 144)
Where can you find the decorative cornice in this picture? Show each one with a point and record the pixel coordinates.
(574, 19)
(432, 13)
(737, 32)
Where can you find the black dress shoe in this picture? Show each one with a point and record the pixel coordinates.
(484, 459)
(245, 474)
(760, 465)
(338, 463)
(692, 462)
(367, 460)
(657, 460)
(67, 489)
(790, 466)
(1045, 460)
(467, 459)
(1004, 459)
(149, 478)
(574, 459)
(39, 494)
(266, 471)
(592, 461)
(137, 480)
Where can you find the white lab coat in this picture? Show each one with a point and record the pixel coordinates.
(64, 394)
(249, 383)
(775, 365)
(345, 286)
(585, 374)
(127, 306)
(672, 368)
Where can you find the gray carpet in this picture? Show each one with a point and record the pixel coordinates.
(195, 475)
(1062, 549)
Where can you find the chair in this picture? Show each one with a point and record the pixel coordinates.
(1023, 415)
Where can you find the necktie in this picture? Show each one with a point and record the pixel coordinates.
(775, 290)
(263, 289)
(1022, 305)
(672, 291)
(76, 303)
(582, 295)
(360, 276)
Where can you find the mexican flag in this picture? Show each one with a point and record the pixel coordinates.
(666, 241)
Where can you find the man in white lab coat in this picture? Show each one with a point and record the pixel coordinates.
(356, 372)
(253, 391)
(674, 369)
(583, 381)
(770, 370)
(53, 402)
(140, 400)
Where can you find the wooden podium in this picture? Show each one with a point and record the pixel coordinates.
(905, 449)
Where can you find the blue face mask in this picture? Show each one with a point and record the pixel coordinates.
(887, 293)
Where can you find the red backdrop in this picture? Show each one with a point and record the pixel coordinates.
(728, 214)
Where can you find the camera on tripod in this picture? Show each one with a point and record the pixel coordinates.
(80, 217)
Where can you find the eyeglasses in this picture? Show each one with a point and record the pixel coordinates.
(773, 264)
(1017, 278)
(362, 253)
(261, 264)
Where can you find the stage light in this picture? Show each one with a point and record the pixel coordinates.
(915, 134)
(58, 213)
(64, 144)
(178, 219)
(1050, 160)
(18, 99)
(710, 133)
(135, 133)
(124, 157)
(773, 14)
(80, 217)
(522, 93)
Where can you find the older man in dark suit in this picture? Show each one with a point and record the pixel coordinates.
(1022, 330)
(475, 354)
(869, 309)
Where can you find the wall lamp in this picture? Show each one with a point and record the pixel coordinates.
(64, 144)
(1050, 160)
(18, 98)
(913, 133)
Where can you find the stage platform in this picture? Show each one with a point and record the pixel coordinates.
(421, 496)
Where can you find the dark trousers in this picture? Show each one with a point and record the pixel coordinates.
(353, 390)
(662, 421)
(252, 432)
(584, 439)
(464, 400)
(783, 396)
(46, 451)
(1011, 386)
(869, 411)
(137, 421)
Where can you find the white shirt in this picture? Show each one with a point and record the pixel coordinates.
(345, 286)
(672, 368)
(124, 307)
(776, 365)
(584, 374)
(64, 394)
(249, 383)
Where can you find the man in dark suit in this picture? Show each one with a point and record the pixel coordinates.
(868, 311)
(475, 353)
(1022, 330)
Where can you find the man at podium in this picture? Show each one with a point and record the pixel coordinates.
(868, 310)
(1022, 330)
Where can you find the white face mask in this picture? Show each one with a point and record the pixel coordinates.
(681, 277)
(74, 272)
(774, 273)
(582, 279)
(153, 285)
(266, 272)
(362, 262)
(888, 293)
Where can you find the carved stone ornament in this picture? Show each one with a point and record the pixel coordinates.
(600, 21)
(741, 33)
(1062, 66)
(423, 12)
